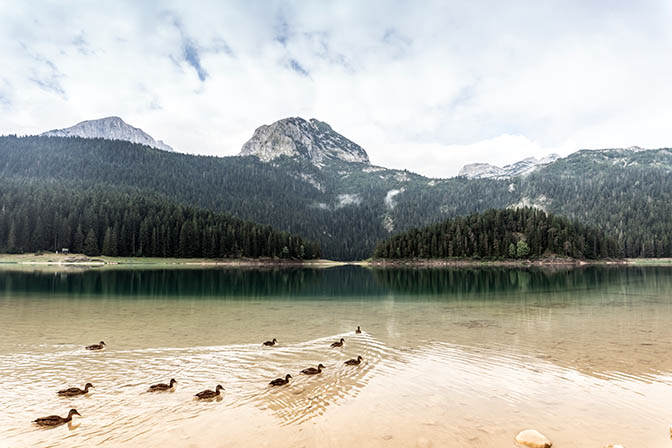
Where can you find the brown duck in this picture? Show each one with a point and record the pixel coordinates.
(313, 370)
(354, 362)
(358, 330)
(55, 420)
(271, 343)
(338, 343)
(162, 386)
(96, 346)
(209, 393)
(281, 381)
(74, 391)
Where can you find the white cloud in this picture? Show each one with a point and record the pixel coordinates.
(426, 85)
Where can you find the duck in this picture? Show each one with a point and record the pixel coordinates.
(338, 343)
(354, 362)
(96, 346)
(270, 343)
(209, 393)
(358, 330)
(74, 391)
(162, 386)
(55, 420)
(281, 381)
(313, 370)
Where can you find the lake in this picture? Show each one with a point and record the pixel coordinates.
(462, 357)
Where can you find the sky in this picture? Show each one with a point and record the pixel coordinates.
(421, 85)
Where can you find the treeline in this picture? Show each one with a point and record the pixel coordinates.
(520, 233)
(243, 187)
(48, 217)
(625, 194)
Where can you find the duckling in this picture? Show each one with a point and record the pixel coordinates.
(74, 391)
(281, 381)
(270, 343)
(338, 343)
(354, 362)
(209, 393)
(162, 386)
(313, 370)
(358, 330)
(55, 420)
(96, 346)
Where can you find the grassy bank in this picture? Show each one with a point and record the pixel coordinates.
(52, 259)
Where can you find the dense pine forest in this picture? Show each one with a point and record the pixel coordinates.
(349, 207)
(521, 233)
(46, 217)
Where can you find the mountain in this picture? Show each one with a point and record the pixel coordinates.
(348, 207)
(110, 128)
(310, 140)
(521, 168)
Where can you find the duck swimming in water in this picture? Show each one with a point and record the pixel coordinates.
(55, 420)
(358, 330)
(354, 362)
(209, 393)
(338, 343)
(271, 343)
(74, 391)
(96, 346)
(281, 381)
(162, 386)
(313, 370)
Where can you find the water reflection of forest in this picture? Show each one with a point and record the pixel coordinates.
(335, 283)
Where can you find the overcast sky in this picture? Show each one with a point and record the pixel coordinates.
(422, 85)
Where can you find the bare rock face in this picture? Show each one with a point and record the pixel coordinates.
(533, 439)
(295, 137)
(521, 168)
(110, 128)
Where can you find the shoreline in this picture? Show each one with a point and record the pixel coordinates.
(457, 262)
(79, 260)
(83, 261)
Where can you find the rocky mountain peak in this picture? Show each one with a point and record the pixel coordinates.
(110, 128)
(313, 140)
(520, 168)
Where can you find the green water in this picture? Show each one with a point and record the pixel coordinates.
(452, 357)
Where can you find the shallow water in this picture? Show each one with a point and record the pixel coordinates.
(452, 357)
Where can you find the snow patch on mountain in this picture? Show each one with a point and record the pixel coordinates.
(390, 203)
(348, 199)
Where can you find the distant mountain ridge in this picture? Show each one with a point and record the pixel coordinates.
(110, 128)
(311, 140)
(296, 178)
(520, 168)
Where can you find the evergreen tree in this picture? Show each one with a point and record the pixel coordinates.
(522, 249)
(91, 244)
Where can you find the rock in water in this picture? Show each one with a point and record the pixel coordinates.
(533, 439)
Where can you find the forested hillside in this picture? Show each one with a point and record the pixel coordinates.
(38, 216)
(520, 233)
(348, 207)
